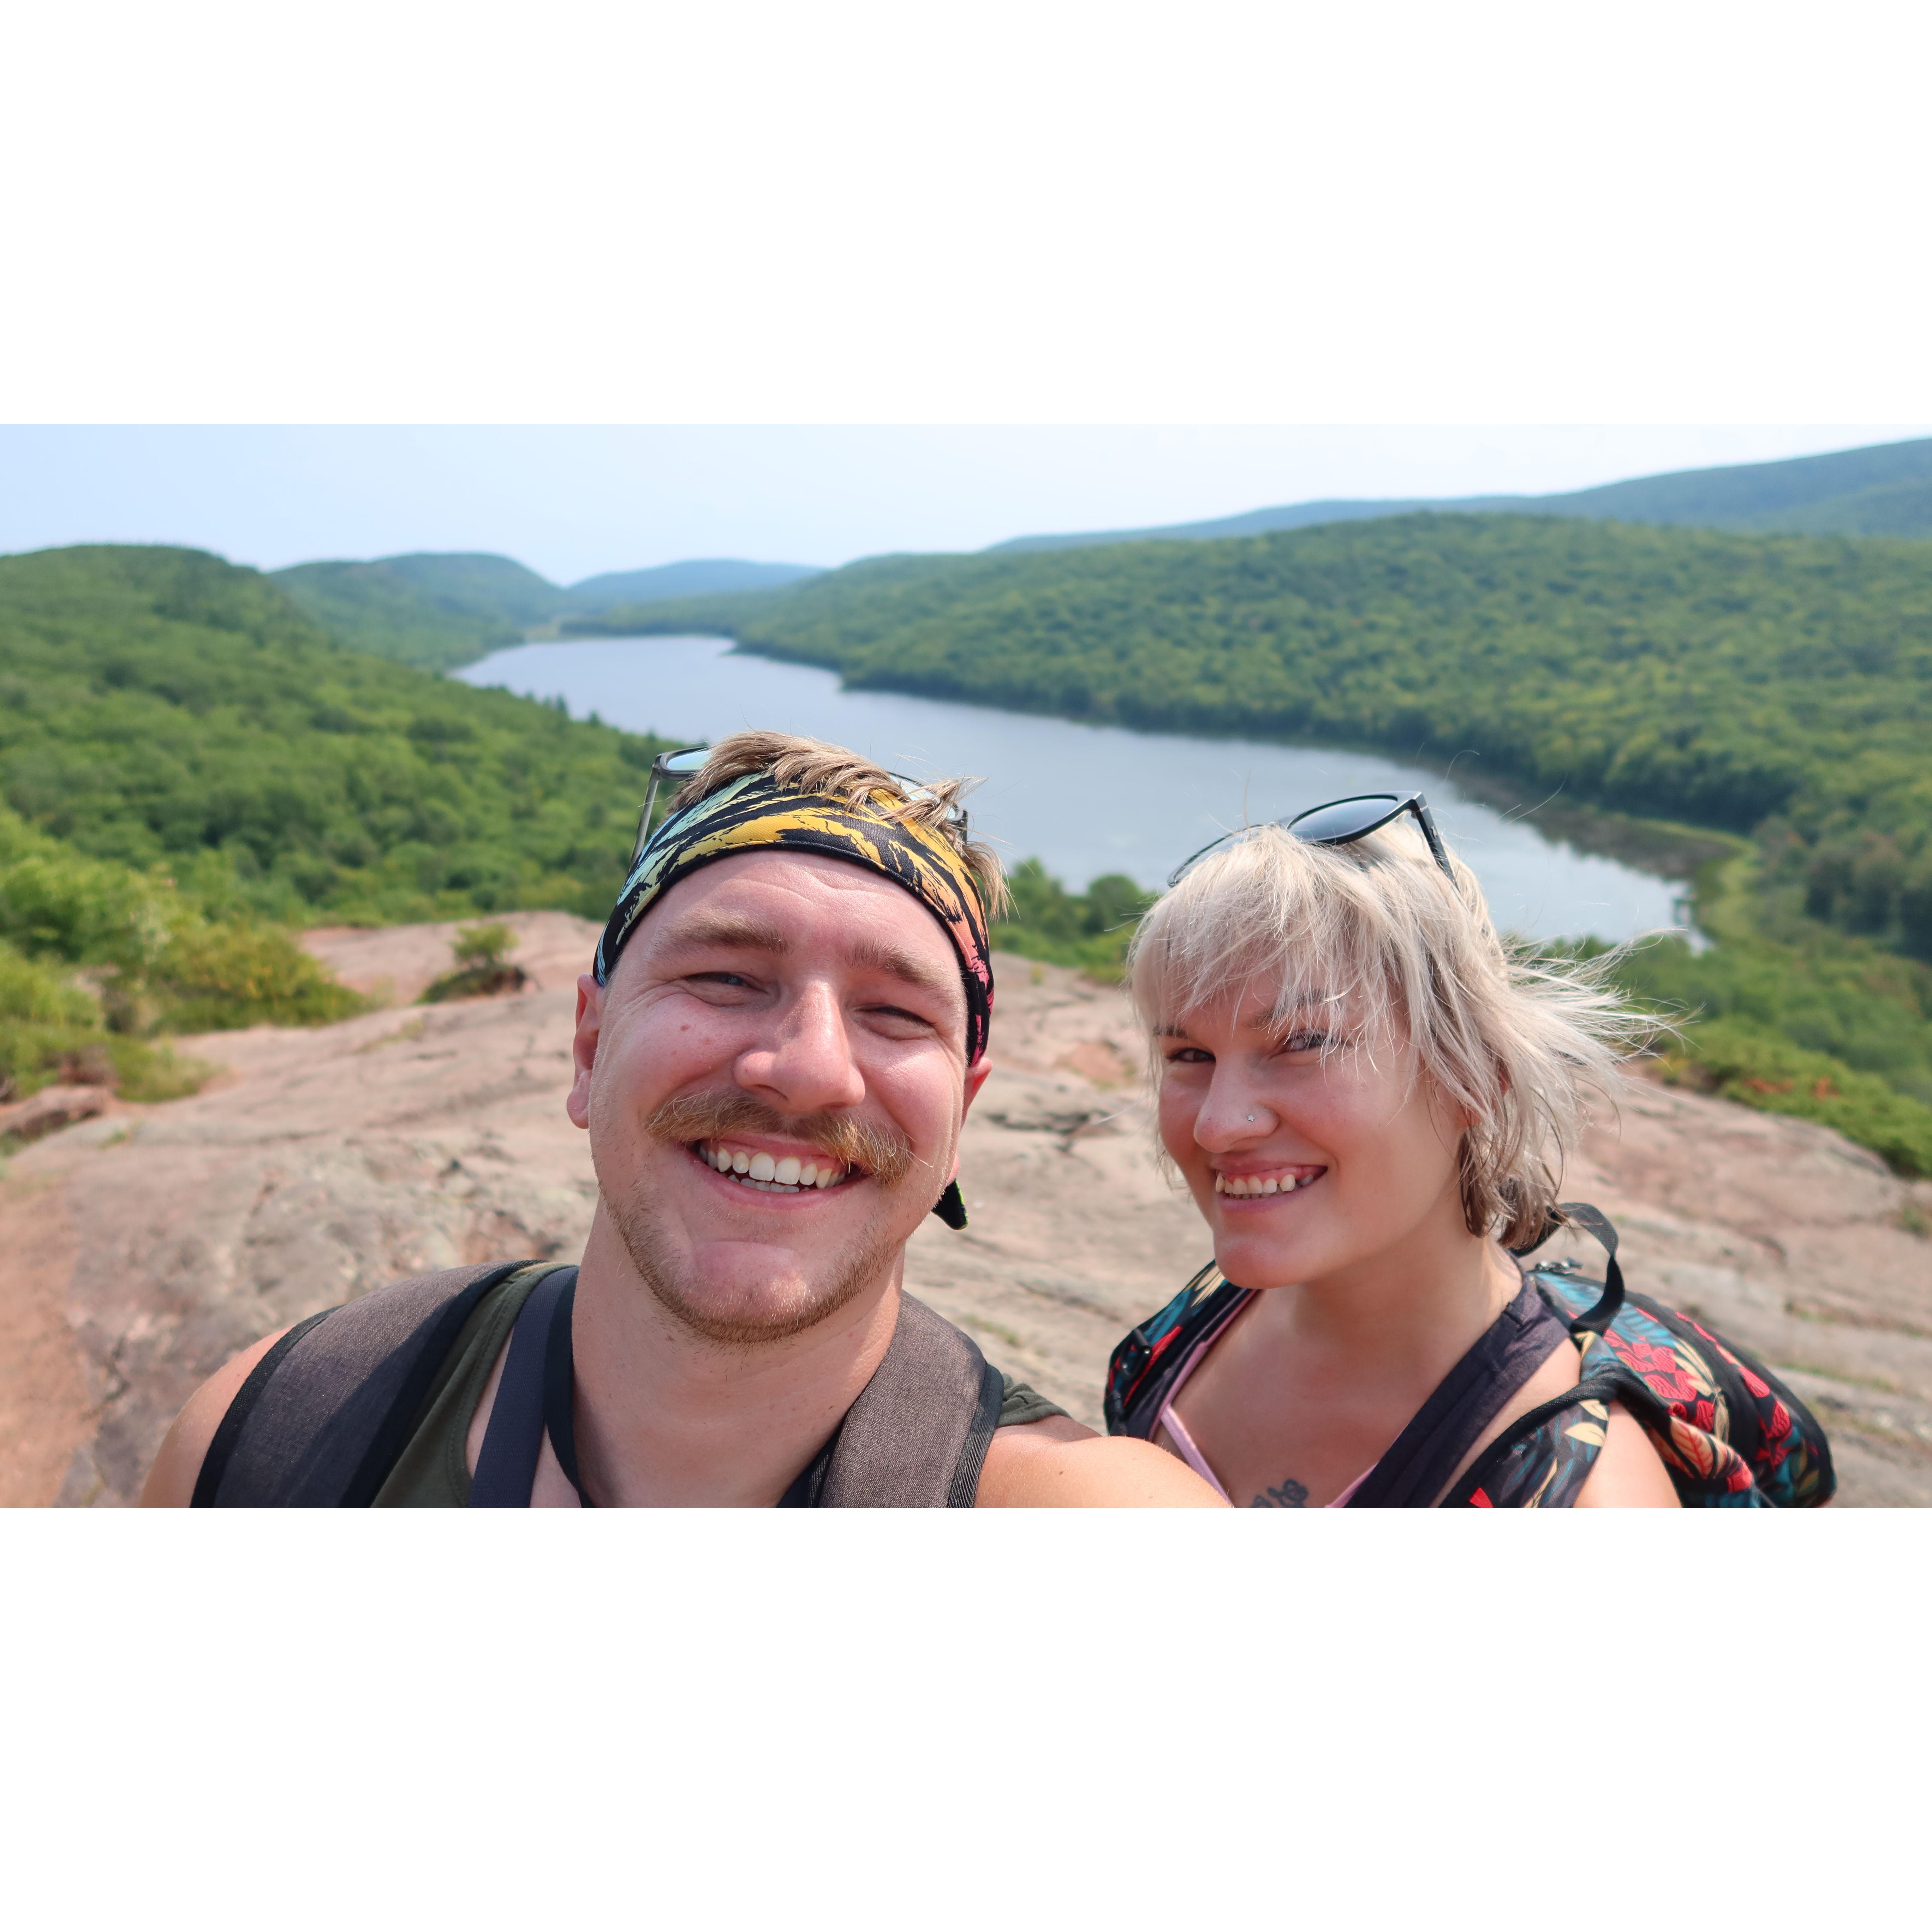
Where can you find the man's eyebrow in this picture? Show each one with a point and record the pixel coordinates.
(883, 957)
(739, 932)
(735, 930)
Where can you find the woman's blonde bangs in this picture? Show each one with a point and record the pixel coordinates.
(1373, 933)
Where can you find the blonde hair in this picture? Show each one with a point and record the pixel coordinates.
(1374, 932)
(830, 771)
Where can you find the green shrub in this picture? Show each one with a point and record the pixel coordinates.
(34, 994)
(482, 948)
(213, 977)
(55, 903)
(1089, 931)
(52, 1031)
(1761, 1069)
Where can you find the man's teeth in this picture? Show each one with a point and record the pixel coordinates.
(1235, 1184)
(788, 1176)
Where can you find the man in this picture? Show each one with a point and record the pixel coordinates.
(786, 1024)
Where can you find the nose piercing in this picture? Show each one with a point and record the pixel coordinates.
(1251, 1117)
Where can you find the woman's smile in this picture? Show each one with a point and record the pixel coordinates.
(1266, 1183)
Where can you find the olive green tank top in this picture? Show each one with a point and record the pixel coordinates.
(432, 1472)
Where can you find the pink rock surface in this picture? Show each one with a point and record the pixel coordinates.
(138, 1251)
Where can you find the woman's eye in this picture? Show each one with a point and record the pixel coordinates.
(1190, 1056)
(1305, 1043)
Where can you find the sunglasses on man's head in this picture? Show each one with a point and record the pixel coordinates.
(676, 767)
(1341, 822)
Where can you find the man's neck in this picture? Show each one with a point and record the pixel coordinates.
(667, 1418)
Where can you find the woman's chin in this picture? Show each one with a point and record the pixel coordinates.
(1255, 1258)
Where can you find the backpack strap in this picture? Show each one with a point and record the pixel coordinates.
(506, 1465)
(1417, 1466)
(1592, 1221)
(917, 1436)
(323, 1416)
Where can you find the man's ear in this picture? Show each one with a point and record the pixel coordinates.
(976, 1078)
(584, 1048)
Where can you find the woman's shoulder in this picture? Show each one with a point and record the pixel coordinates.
(1149, 1357)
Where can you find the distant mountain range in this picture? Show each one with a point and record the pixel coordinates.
(1885, 490)
(441, 610)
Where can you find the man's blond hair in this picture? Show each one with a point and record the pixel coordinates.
(1374, 933)
(830, 771)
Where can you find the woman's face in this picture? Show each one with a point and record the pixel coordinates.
(1303, 1165)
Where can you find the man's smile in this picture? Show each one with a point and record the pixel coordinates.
(758, 1169)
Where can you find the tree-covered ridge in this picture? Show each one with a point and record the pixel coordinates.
(1883, 490)
(160, 707)
(370, 608)
(1718, 679)
(438, 610)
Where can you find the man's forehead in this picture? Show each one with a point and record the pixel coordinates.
(787, 903)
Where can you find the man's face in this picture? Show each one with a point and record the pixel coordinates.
(775, 1015)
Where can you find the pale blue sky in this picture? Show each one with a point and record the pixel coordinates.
(572, 501)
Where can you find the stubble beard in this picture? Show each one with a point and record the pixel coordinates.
(645, 1234)
(650, 1235)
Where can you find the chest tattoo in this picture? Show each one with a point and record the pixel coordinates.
(1292, 1495)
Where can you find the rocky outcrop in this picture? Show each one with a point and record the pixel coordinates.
(140, 1248)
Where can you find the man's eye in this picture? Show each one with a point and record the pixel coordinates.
(722, 978)
(901, 1013)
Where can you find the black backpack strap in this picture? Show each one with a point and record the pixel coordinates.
(506, 1465)
(1592, 1221)
(917, 1436)
(320, 1421)
(1417, 1466)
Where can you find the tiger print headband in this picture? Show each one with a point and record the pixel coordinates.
(755, 813)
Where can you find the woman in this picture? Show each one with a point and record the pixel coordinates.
(1369, 1097)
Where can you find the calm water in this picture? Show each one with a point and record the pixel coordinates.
(1085, 799)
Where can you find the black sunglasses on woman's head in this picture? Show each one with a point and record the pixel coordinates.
(1341, 822)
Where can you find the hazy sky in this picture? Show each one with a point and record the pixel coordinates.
(571, 502)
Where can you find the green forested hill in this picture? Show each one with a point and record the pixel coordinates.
(1883, 490)
(701, 577)
(370, 608)
(438, 611)
(1723, 680)
(162, 708)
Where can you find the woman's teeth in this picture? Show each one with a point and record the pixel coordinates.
(1286, 1184)
(788, 1176)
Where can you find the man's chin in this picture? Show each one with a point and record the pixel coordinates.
(724, 1306)
(742, 1293)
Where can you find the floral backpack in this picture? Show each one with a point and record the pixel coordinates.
(1730, 1434)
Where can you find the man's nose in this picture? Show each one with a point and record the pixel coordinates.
(805, 1065)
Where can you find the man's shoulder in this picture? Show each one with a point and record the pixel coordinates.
(1056, 1463)
(335, 1379)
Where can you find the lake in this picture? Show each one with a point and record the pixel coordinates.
(1084, 798)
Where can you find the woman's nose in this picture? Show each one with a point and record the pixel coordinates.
(806, 1064)
(1232, 1114)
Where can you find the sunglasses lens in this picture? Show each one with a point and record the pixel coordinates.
(1346, 818)
(683, 764)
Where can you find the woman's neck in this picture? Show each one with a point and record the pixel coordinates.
(1421, 1302)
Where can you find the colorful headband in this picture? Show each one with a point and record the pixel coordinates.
(755, 813)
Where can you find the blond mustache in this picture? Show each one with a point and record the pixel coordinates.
(886, 1156)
